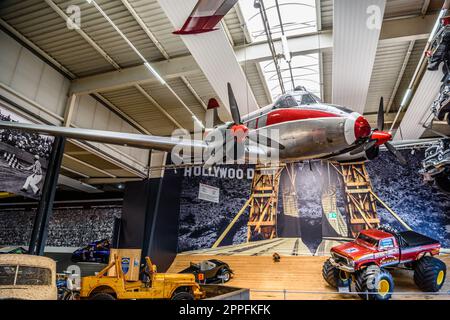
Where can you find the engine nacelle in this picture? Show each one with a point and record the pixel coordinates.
(369, 154)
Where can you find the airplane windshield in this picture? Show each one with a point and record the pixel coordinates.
(308, 99)
(305, 98)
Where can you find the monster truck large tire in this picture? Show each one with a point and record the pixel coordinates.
(374, 283)
(335, 277)
(429, 274)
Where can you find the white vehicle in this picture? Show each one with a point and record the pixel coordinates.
(27, 277)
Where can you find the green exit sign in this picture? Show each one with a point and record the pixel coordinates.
(332, 215)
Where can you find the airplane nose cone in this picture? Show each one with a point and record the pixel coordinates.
(362, 128)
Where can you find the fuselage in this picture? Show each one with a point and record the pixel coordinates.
(308, 128)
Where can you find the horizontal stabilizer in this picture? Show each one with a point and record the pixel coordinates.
(206, 15)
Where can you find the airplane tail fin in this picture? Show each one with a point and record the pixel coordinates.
(211, 116)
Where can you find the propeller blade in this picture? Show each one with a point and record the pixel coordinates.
(396, 153)
(357, 150)
(363, 147)
(234, 109)
(380, 119)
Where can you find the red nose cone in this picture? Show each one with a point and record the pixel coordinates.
(362, 128)
(381, 137)
(239, 131)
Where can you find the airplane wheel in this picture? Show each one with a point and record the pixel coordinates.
(429, 274)
(374, 283)
(335, 277)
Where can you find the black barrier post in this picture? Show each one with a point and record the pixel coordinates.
(40, 227)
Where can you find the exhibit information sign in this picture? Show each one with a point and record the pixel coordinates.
(208, 193)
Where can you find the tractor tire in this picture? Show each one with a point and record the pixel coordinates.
(102, 296)
(429, 274)
(183, 296)
(335, 277)
(374, 283)
(226, 275)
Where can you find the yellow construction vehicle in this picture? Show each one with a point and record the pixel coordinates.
(156, 286)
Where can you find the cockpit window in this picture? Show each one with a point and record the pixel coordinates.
(308, 99)
(286, 101)
(316, 98)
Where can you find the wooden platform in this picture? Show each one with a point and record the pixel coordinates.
(297, 273)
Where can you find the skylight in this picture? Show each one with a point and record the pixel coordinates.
(299, 17)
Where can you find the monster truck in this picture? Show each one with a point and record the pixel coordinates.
(366, 261)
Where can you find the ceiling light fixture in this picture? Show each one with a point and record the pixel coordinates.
(146, 63)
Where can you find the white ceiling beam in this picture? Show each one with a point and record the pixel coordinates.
(167, 56)
(83, 34)
(77, 185)
(145, 28)
(88, 165)
(355, 42)
(319, 14)
(215, 57)
(248, 37)
(407, 29)
(418, 112)
(122, 114)
(264, 83)
(157, 105)
(74, 171)
(194, 93)
(426, 4)
(392, 31)
(168, 69)
(400, 76)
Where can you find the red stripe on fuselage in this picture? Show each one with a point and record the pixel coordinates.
(286, 115)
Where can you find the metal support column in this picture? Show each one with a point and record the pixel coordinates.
(40, 227)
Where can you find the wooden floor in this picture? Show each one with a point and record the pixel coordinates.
(297, 273)
(283, 246)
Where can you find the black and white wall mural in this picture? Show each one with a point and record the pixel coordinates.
(68, 227)
(23, 159)
(204, 217)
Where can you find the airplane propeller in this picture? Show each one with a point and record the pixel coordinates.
(238, 130)
(379, 137)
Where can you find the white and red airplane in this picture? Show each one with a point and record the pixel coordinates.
(307, 129)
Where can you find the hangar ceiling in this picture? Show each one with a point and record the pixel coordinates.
(99, 64)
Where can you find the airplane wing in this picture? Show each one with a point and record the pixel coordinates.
(119, 138)
(205, 16)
